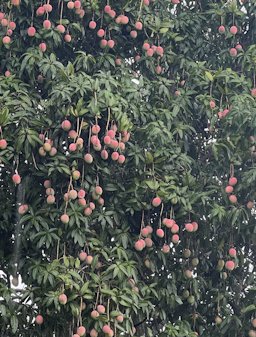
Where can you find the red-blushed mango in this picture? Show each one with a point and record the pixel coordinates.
(103, 43)
(254, 322)
(81, 331)
(77, 4)
(189, 227)
(139, 245)
(138, 25)
(47, 7)
(76, 174)
(43, 47)
(89, 259)
(68, 38)
(111, 44)
(195, 226)
(118, 61)
(72, 194)
(47, 24)
(133, 34)
(101, 201)
(253, 92)
(232, 252)
(111, 133)
(166, 249)
(221, 29)
(23, 209)
(175, 238)
(39, 319)
(73, 134)
(6, 40)
(82, 202)
(82, 256)
(144, 232)
(233, 52)
(101, 309)
(81, 193)
(158, 70)
(156, 202)
(160, 233)
(250, 204)
(31, 31)
(120, 318)
(93, 333)
(232, 181)
(15, 2)
(233, 199)
(252, 333)
(66, 125)
(107, 9)
(72, 147)
(64, 218)
(230, 265)
(92, 205)
(50, 199)
(175, 228)
(61, 29)
(16, 178)
(150, 229)
(101, 32)
(115, 156)
(212, 104)
(63, 299)
(229, 189)
(94, 314)
(121, 159)
(148, 242)
(95, 129)
(40, 11)
(233, 30)
(106, 329)
(87, 211)
(98, 190)
(88, 158)
(70, 5)
(3, 144)
(53, 152)
(92, 24)
(47, 184)
(112, 14)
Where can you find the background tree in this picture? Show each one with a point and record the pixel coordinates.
(127, 173)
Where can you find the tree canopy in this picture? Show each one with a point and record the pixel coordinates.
(127, 168)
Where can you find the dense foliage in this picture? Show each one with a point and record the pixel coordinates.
(127, 168)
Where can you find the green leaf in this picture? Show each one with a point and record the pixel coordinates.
(152, 184)
(209, 76)
(66, 261)
(251, 307)
(4, 114)
(2, 310)
(14, 324)
(163, 30)
(75, 275)
(84, 288)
